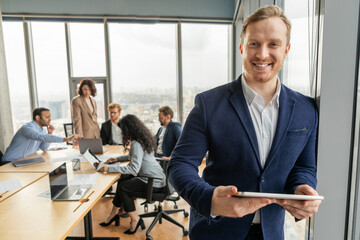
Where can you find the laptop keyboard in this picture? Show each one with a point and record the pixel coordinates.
(68, 192)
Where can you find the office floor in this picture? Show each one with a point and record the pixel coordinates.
(166, 230)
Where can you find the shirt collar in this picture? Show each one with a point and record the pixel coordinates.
(33, 122)
(115, 125)
(250, 94)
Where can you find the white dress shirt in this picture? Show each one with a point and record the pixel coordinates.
(116, 134)
(264, 119)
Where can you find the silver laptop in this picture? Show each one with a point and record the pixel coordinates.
(94, 144)
(59, 188)
(29, 161)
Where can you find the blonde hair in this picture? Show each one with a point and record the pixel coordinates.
(265, 13)
(114, 105)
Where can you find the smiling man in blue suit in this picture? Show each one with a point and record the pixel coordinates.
(260, 137)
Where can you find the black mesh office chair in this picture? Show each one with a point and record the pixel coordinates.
(69, 131)
(152, 197)
(174, 197)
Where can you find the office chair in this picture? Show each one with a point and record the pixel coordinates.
(69, 131)
(174, 197)
(152, 197)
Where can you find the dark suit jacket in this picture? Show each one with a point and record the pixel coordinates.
(220, 123)
(105, 133)
(172, 134)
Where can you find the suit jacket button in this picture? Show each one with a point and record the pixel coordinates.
(261, 179)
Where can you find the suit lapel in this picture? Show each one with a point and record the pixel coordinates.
(240, 106)
(109, 129)
(285, 115)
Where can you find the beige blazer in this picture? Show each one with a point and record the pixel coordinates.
(84, 122)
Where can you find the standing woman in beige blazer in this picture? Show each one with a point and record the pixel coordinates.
(83, 109)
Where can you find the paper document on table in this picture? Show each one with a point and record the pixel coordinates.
(9, 185)
(64, 156)
(103, 158)
(84, 179)
(55, 147)
(91, 158)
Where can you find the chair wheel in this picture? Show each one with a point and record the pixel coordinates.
(186, 214)
(149, 237)
(185, 233)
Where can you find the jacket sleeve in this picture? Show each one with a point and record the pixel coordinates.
(44, 138)
(304, 170)
(76, 116)
(103, 134)
(177, 132)
(136, 156)
(186, 158)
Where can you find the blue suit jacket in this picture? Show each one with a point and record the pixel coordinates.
(221, 123)
(171, 136)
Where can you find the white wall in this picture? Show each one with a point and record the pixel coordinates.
(338, 78)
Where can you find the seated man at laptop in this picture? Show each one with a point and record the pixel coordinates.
(168, 133)
(110, 131)
(32, 137)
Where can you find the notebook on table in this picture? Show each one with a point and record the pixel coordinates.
(59, 188)
(29, 161)
(94, 144)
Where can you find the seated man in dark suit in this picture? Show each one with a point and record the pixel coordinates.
(168, 133)
(110, 132)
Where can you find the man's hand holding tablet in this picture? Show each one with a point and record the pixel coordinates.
(302, 209)
(302, 204)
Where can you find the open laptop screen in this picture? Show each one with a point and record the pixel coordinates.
(58, 180)
(94, 144)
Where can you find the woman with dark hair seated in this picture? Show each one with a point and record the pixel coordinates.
(143, 161)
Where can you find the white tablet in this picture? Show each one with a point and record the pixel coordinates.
(278, 196)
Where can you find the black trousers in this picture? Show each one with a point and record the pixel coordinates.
(255, 233)
(127, 185)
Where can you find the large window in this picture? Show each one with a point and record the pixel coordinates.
(143, 66)
(297, 74)
(205, 59)
(51, 72)
(17, 73)
(88, 49)
(298, 64)
(143, 69)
